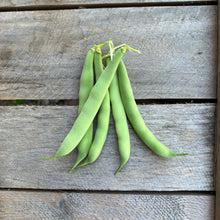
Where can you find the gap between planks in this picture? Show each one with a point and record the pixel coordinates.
(135, 192)
(114, 5)
(75, 102)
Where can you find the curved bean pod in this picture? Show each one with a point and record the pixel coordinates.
(103, 117)
(121, 125)
(90, 108)
(135, 118)
(86, 84)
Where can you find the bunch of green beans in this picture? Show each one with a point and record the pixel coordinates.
(94, 101)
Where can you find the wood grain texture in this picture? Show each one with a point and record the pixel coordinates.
(42, 52)
(37, 3)
(28, 133)
(217, 151)
(93, 206)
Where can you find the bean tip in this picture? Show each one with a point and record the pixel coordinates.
(182, 154)
(75, 166)
(81, 165)
(118, 169)
(115, 172)
(70, 169)
(47, 158)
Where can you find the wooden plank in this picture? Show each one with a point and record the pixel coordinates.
(217, 151)
(42, 52)
(28, 133)
(69, 205)
(85, 3)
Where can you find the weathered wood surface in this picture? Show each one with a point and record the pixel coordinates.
(28, 133)
(42, 52)
(68, 205)
(217, 151)
(37, 3)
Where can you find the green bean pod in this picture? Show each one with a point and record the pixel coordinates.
(120, 119)
(86, 84)
(135, 118)
(90, 108)
(103, 117)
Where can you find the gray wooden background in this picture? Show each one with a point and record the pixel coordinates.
(42, 49)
